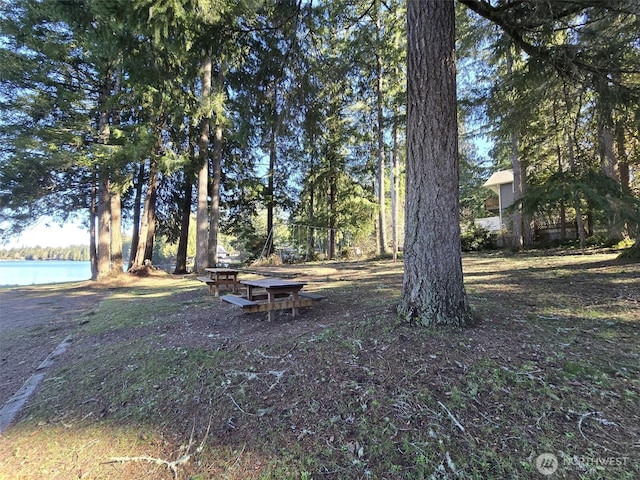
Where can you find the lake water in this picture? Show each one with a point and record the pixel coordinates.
(44, 271)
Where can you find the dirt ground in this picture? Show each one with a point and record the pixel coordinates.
(33, 321)
(45, 315)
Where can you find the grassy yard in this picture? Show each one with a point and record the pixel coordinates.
(163, 380)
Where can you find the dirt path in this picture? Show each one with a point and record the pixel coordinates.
(33, 321)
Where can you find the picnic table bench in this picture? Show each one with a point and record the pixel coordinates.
(280, 294)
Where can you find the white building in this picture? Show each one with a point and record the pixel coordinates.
(502, 184)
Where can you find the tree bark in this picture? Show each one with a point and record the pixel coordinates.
(216, 165)
(93, 212)
(116, 234)
(382, 216)
(576, 197)
(137, 206)
(333, 194)
(214, 213)
(104, 195)
(433, 290)
(273, 157)
(518, 239)
(104, 220)
(395, 166)
(144, 227)
(311, 218)
(152, 197)
(269, 193)
(202, 215)
(621, 151)
(181, 254)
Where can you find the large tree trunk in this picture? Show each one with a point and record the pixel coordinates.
(104, 220)
(433, 290)
(202, 215)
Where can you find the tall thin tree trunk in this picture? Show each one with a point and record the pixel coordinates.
(137, 206)
(609, 165)
(93, 212)
(382, 220)
(621, 151)
(152, 197)
(117, 262)
(116, 234)
(144, 226)
(273, 156)
(395, 166)
(214, 223)
(104, 194)
(576, 197)
(202, 215)
(216, 163)
(183, 243)
(527, 233)
(311, 218)
(563, 209)
(518, 238)
(331, 220)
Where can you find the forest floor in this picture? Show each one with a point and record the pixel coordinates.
(162, 380)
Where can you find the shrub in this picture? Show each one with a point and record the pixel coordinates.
(475, 238)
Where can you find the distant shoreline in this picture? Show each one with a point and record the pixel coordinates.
(23, 259)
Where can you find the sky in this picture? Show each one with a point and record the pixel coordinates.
(46, 233)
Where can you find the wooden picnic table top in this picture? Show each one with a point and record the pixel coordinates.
(273, 283)
(221, 270)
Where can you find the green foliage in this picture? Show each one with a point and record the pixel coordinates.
(306, 74)
(475, 238)
(73, 252)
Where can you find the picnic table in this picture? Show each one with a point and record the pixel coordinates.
(220, 276)
(269, 294)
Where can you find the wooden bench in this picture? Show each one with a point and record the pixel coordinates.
(239, 301)
(284, 301)
(209, 281)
